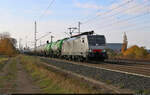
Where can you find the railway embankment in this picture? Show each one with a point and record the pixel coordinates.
(119, 79)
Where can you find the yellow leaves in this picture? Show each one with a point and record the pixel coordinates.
(124, 47)
(7, 47)
(136, 52)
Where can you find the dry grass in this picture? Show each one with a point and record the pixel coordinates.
(3, 59)
(2, 62)
(55, 82)
(8, 75)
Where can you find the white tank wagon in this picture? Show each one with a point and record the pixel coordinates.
(86, 46)
(40, 50)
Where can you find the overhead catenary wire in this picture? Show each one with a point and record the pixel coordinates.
(105, 13)
(133, 29)
(40, 17)
(44, 12)
(104, 18)
(109, 11)
(128, 26)
(124, 20)
(127, 19)
(89, 15)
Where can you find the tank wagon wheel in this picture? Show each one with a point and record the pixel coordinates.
(80, 59)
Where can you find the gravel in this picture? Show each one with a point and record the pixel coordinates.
(122, 80)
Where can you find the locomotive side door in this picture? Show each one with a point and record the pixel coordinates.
(83, 46)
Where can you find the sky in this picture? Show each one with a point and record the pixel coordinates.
(106, 17)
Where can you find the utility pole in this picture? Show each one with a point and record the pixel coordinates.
(52, 38)
(40, 43)
(35, 37)
(20, 47)
(79, 24)
(26, 42)
(71, 30)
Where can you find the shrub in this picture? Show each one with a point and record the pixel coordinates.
(111, 53)
(136, 52)
(7, 47)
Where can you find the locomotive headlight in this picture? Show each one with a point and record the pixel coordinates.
(90, 50)
(104, 50)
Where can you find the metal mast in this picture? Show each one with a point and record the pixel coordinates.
(35, 37)
(79, 23)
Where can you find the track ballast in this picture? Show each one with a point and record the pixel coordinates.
(125, 80)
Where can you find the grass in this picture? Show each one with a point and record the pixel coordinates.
(1, 66)
(143, 92)
(108, 81)
(121, 85)
(9, 75)
(2, 62)
(54, 82)
(46, 83)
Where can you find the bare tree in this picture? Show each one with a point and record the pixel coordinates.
(4, 35)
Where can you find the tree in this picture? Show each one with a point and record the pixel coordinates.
(4, 35)
(7, 44)
(136, 52)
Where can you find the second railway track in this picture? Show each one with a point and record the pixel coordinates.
(128, 76)
(137, 69)
(142, 69)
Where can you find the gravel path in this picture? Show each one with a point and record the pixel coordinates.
(119, 79)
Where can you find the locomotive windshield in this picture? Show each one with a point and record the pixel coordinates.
(96, 40)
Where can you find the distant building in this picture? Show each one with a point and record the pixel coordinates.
(148, 50)
(114, 46)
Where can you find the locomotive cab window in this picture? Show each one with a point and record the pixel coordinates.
(96, 40)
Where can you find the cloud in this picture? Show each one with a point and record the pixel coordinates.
(87, 5)
(20, 27)
(136, 8)
(48, 12)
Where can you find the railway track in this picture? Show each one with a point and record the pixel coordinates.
(128, 62)
(137, 69)
(131, 77)
(141, 69)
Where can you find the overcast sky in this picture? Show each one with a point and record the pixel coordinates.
(107, 17)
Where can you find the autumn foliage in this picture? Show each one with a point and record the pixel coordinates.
(136, 52)
(7, 47)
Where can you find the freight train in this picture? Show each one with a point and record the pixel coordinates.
(85, 46)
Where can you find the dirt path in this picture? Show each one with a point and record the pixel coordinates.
(24, 83)
(5, 68)
(4, 85)
(21, 83)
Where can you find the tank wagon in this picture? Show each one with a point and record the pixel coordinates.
(79, 47)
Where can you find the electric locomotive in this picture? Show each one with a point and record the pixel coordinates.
(85, 46)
